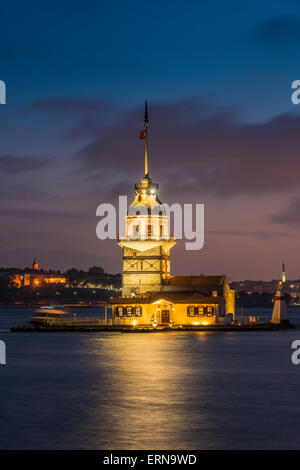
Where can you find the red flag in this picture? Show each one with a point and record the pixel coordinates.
(143, 134)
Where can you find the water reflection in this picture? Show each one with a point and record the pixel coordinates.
(149, 386)
(165, 390)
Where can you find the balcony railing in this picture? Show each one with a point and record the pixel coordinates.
(150, 237)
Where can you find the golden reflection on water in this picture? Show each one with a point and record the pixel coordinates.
(150, 381)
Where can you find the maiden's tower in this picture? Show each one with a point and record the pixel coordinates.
(151, 296)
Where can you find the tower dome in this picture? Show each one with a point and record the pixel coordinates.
(146, 199)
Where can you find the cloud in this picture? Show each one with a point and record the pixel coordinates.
(74, 118)
(282, 28)
(69, 106)
(261, 234)
(290, 216)
(27, 214)
(11, 164)
(88, 126)
(199, 148)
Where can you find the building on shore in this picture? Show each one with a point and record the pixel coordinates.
(34, 278)
(151, 296)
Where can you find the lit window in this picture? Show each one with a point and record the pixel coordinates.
(138, 311)
(120, 311)
(128, 311)
(210, 311)
(191, 311)
(200, 310)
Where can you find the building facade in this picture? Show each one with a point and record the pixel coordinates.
(34, 278)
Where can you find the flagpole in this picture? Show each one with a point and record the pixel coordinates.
(146, 124)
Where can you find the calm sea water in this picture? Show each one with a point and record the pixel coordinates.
(207, 390)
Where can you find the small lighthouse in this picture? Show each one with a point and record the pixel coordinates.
(280, 311)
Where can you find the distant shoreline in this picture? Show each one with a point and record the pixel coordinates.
(79, 305)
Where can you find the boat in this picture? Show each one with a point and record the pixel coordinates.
(49, 312)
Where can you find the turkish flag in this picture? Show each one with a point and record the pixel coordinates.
(143, 134)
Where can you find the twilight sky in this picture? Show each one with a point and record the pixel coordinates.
(223, 130)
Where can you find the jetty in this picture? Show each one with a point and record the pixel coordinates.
(100, 325)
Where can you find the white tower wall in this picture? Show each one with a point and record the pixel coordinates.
(279, 310)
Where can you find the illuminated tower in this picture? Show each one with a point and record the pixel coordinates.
(146, 245)
(35, 265)
(279, 311)
(283, 276)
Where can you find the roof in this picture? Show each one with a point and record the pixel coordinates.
(173, 297)
(195, 281)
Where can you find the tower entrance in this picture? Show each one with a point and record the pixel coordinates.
(165, 317)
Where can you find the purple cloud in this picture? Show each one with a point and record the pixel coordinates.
(69, 106)
(202, 147)
(289, 216)
(11, 164)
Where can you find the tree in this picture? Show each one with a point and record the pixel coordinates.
(96, 270)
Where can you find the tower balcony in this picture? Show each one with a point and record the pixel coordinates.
(144, 243)
(149, 237)
(147, 186)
